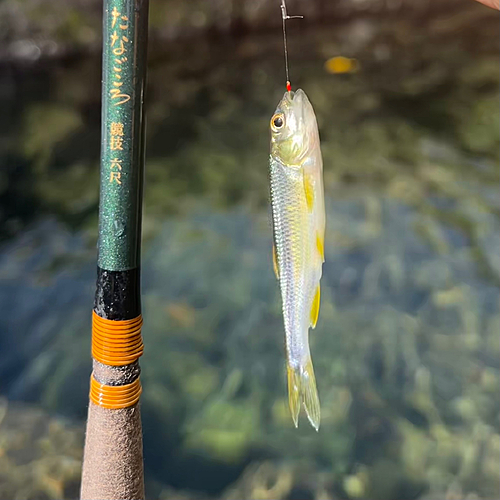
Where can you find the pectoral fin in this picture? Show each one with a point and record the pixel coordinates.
(275, 263)
(315, 307)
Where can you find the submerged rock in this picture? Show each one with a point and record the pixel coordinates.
(40, 456)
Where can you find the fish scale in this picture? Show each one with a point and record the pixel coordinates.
(291, 257)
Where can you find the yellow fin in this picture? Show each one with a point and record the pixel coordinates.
(302, 389)
(315, 307)
(293, 376)
(309, 191)
(275, 263)
(320, 244)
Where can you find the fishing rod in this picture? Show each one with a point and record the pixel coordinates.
(113, 456)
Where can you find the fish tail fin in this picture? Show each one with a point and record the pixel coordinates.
(302, 389)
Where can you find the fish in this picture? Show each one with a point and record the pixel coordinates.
(298, 220)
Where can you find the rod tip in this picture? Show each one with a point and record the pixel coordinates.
(288, 86)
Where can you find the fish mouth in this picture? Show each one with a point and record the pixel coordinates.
(296, 101)
(291, 101)
(293, 97)
(297, 104)
(297, 95)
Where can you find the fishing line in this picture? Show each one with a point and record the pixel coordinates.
(285, 17)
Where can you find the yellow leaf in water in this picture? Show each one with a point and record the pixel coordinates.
(341, 64)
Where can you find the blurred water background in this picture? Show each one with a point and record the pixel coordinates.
(406, 350)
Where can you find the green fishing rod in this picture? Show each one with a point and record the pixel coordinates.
(113, 460)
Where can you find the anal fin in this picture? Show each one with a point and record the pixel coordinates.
(315, 307)
(320, 245)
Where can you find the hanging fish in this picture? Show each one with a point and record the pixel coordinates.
(298, 213)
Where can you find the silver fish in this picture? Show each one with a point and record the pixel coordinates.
(298, 211)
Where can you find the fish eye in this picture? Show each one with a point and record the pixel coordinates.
(277, 122)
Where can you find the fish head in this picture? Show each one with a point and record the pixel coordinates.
(294, 131)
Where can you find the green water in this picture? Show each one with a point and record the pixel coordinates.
(406, 348)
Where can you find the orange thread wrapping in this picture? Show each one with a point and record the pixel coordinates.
(116, 343)
(115, 397)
